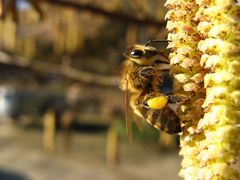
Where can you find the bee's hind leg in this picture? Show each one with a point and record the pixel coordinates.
(177, 99)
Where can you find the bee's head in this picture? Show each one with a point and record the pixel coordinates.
(141, 54)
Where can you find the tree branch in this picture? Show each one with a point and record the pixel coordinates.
(124, 18)
(66, 71)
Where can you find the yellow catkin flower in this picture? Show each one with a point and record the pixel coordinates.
(188, 76)
(205, 63)
(220, 124)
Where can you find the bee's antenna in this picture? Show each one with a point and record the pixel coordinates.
(156, 41)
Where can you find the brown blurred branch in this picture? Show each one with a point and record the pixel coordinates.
(66, 71)
(108, 14)
(11, 7)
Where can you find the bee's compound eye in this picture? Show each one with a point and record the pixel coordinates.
(136, 53)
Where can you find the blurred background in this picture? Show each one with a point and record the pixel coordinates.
(61, 109)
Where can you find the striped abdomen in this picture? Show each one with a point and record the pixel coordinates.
(163, 119)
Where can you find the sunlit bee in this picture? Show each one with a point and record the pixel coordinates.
(141, 78)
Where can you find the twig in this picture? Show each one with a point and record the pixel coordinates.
(66, 71)
(108, 14)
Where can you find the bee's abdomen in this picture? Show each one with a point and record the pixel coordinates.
(162, 119)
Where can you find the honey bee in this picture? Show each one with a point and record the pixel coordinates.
(141, 78)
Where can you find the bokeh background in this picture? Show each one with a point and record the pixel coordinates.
(61, 109)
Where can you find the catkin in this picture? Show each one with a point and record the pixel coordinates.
(205, 63)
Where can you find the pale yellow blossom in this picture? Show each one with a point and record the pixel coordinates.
(205, 61)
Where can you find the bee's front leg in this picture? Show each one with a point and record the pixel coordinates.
(143, 78)
(147, 72)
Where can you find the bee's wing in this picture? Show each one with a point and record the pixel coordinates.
(128, 121)
(139, 123)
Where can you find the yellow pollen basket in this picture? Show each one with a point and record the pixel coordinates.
(157, 102)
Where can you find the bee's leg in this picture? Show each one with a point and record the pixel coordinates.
(143, 78)
(147, 72)
(142, 82)
(177, 98)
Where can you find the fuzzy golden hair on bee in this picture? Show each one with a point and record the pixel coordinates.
(141, 79)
